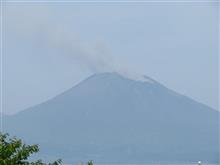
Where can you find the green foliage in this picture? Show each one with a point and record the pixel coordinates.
(90, 162)
(14, 152)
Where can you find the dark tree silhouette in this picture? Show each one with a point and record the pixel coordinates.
(14, 152)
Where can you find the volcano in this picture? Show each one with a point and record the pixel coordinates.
(110, 118)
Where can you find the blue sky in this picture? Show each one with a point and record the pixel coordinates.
(50, 48)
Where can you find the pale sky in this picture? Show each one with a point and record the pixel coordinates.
(48, 48)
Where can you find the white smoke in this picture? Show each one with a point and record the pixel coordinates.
(92, 55)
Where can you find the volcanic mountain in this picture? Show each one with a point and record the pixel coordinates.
(111, 118)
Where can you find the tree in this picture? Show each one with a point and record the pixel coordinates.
(14, 152)
(90, 162)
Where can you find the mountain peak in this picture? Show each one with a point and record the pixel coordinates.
(128, 76)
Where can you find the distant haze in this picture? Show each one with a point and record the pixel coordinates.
(50, 48)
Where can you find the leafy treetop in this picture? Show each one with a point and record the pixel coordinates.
(14, 152)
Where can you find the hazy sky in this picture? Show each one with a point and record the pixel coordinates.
(49, 48)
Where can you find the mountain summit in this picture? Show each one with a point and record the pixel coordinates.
(111, 118)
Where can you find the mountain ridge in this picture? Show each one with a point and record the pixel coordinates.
(120, 75)
(110, 115)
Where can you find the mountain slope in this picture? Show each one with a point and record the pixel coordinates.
(110, 118)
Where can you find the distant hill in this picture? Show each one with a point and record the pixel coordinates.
(110, 118)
